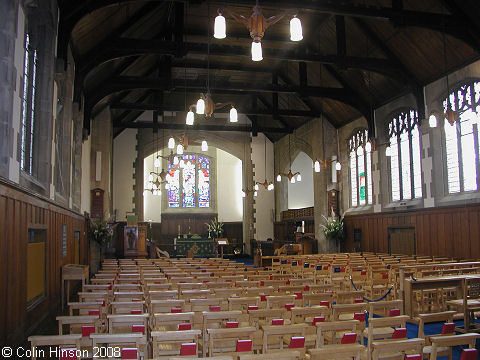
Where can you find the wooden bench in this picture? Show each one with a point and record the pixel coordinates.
(452, 340)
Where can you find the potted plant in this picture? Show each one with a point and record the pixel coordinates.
(101, 233)
(333, 229)
(215, 227)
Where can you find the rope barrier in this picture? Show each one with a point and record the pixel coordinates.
(369, 300)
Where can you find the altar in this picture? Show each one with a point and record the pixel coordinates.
(202, 247)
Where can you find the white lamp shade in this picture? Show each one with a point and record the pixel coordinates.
(220, 27)
(257, 51)
(200, 107)
(233, 115)
(432, 121)
(270, 187)
(388, 151)
(180, 149)
(338, 166)
(360, 151)
(368, 146)
(204, 145)
(316, 166)
(296, 33)
(255, 193)
(182, 163)
(175, 160)
(243, 194)
(150, 178)
(171, 143)
(292, 180)
(279, 178)
(149, 186)
(154, 186)
(156, 163)
(299, 177)
(190, 118)
(256, 187)
(159, 192)
(154, 192)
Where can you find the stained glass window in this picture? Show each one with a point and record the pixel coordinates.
(461, 154)
(361, 185)
(189, 182)
(405, 160)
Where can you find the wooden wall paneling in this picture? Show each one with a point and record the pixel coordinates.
(474, 232)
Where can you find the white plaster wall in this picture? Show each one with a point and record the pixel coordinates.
(85, 183)
(300, 194)
(152, 204)
(124, 155)
(229, 187)
(264, 203)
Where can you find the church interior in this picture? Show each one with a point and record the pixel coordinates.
(241, 180)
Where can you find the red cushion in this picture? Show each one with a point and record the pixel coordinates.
(358, 301)
(469, 354)
(129, 353)
(185, 326)
(68, 354)
(138, 328)
(349, 338)
(271, 277)
(297, 342)
(262, 283)
(175, 310)
(298, 295)
(188, 349)
(413, 357)
(359, 316)
(252, 307)
(287, 282)
(399, 333)
(325, 303)
(93, 312)
(87, 330)
(306, 288)
(342, 269)
(318, 319)
(277, 322)
(231, 324)
(135, 312)
(289, 306)
(214, 308)
(448, 328)
(363, 272)
(263, 297)
(384, 276)
(244, 345)
(394, 312)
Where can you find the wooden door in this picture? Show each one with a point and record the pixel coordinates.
(401, 241)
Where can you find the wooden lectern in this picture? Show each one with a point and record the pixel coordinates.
(221, 242)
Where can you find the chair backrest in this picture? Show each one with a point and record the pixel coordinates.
(123, 323)
(300, 314)
(333, 327)
(278, 332)
(242, 303)
(276, 302)
(347, 309)
(284, 355)
(337, 352)
(383, 307)
(169, 343)
(266, 315)
(171, 321)
(444, 316)
(71, 341)
(225, 340)
(75, 323)
(122, 341)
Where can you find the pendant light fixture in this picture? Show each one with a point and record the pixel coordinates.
(256, 25)
(292, 177)
(268, 185)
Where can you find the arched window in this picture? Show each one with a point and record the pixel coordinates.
(189, 182)
(361, 188)
(461, 138)
(404, 153)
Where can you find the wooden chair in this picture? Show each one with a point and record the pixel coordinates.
(309, 316)
(111, 342)
(384, 308)
(215, 320)
(275, 302)
(452, 340)
(166, 306)
(242, 303)
(83, 308)
(169, 343)
(327, 352)
(124, 323)
(283, 355)
(171, 321)
(383, 328)
(333, 331)
(128, 296)
(54, 342)
(281, 334)
(396, 348)
(127, 307)
(349, 297)
(75, 323)
(225, 341)
(163, 295)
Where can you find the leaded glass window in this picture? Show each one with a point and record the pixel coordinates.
(405, 159)
(460, 138)
(28, 106)
(361, 185)
(189, 182)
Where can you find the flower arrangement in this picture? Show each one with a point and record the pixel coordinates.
(333, 228)
(215, 227)
(100, 232)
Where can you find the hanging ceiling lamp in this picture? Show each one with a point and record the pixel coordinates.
(268, 185)
(292, 177)
(256, 25)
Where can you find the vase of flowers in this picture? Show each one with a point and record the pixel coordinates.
(100, 233)
(215, 227)
(333, 229)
